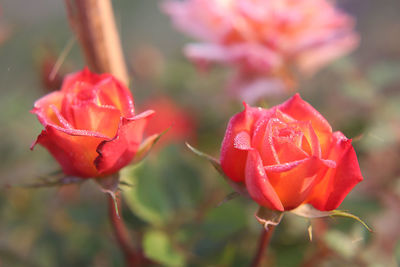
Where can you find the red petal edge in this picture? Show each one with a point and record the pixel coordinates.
(233, 160)
(75, 153)
(300, 110)
(257, 184)
(337, 182)
(119, 151)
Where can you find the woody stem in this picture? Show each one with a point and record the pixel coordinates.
(262, 245)
(94, 25)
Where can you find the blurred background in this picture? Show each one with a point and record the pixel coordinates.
(172, 207)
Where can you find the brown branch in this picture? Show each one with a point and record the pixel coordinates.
(262, 245)
(94, 25)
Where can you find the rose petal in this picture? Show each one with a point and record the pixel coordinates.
(75, 153)
(85, 76)
(112, 92)
(258, 185)
(337, 182)
(300, 110)
(79, 94)
(262, 139)
(64, 123)
(233, 160)
(242, 141)
(102, 89)
(101, 119)
(310, 135)
(288, 152)
(294, 185)
(194, 18)
(64, 127)
(43, 110)
(206, 52)
(284, 167)
(310, 60)
(119, 151)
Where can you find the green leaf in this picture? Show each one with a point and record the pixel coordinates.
(145, 198)
(224, 221)
(163, 188)
(157, 246)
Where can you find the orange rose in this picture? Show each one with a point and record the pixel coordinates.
(90, 125)
(287, 156)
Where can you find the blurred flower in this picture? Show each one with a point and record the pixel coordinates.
(147, 62)
(51, 77)
(90, 125)
(5, 30)
(267, 38)
(169, 114)
(287, 156)
(49, 82)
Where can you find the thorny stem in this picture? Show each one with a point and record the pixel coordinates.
(133, 256)
(262, 245)
(94, 25)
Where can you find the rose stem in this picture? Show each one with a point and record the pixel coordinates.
(262, 245)
(120, 232)
(94, 25)
(133, 257)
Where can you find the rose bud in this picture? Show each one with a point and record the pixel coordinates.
(287, 155)
(89, 125)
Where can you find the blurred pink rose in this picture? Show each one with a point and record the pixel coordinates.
(267, 38)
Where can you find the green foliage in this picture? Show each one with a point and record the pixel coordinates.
(157, 246)
(224, 221)
(162, 190)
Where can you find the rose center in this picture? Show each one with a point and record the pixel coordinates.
(289, 142)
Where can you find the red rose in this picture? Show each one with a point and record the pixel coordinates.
(90, 125)
(287, 156)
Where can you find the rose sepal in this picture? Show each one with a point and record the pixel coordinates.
(146, 146)
(267, 217)
(308, 211)
(110, 185)
(239, 187)
(55, 178)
